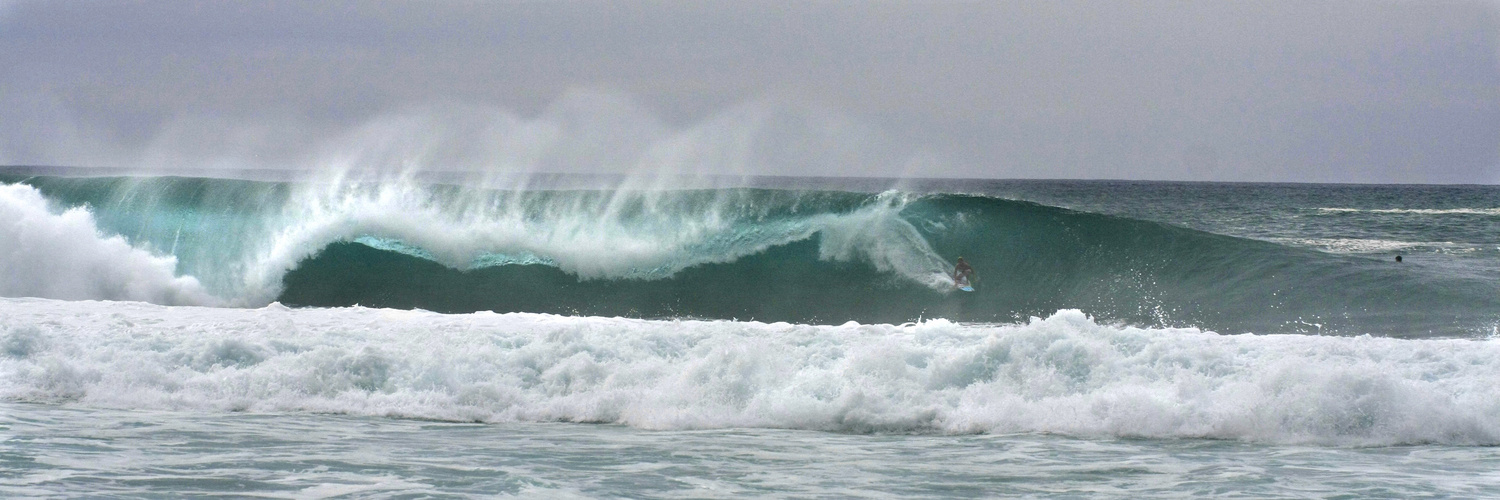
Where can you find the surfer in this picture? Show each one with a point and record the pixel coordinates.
(962, 272)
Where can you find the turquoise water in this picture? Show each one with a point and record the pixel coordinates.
(316, 338)
(1231, 258)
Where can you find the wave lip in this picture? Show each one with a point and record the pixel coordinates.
(1062, 374)
(594, 235)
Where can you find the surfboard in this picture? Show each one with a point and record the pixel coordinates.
(963, 284)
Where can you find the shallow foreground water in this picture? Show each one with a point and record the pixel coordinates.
(61, 450)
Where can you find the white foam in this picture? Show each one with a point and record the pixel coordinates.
(1063, 374)
(44, 253)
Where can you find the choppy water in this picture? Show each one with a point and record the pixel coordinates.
(63, 451)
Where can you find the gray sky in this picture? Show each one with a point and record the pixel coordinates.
(1345, 91)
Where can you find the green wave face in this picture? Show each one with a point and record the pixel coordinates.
(751, 254)
(1031, 260)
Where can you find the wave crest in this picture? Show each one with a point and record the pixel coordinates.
(622, 234)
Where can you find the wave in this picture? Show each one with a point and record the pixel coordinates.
(733, 253)
(242, 237)
(1065, 373)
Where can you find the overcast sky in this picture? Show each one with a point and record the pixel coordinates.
(1343, 91)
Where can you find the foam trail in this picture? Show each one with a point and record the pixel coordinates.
(1358, 245)
(64, 256)
(1418, 211)
(1063, 374)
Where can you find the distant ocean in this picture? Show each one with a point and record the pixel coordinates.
(573, 336)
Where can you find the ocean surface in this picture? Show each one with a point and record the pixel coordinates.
(432, 335)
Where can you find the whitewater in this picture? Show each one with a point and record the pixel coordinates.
(395, 337)
(1063, 374)
(138, 399)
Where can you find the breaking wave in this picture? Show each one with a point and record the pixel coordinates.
(809, 256)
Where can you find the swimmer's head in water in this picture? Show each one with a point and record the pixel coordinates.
(1398, 258)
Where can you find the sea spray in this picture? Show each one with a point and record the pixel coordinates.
(45, 252)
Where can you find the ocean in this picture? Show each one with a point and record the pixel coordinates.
(443, 335)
